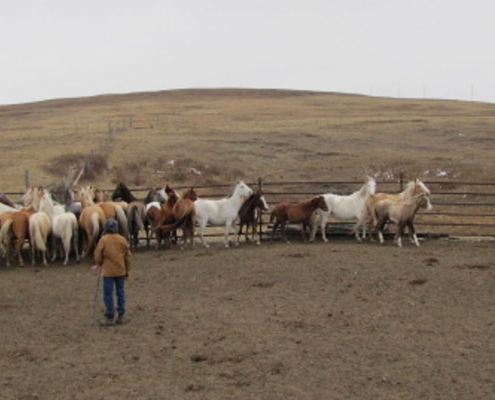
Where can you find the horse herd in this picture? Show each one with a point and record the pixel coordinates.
(58, 229)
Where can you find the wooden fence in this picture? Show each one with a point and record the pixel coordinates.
(460, 208)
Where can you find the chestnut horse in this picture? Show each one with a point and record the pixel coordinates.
(184, 214)
(15, 224)
(164, 216)
(300, 213)
(401, 213)
(248, 215)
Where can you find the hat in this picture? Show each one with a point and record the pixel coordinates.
(111, 226)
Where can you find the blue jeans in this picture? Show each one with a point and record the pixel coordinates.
(108, 285)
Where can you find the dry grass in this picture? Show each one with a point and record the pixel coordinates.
(192, 137)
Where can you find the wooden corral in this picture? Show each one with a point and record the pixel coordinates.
(459, 208)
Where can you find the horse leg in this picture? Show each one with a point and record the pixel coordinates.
(75, 241)
(228, 227)
(412, 233)
(200, 232)
(379, 227)
(239, 233)
(282, 227)
(323, 223)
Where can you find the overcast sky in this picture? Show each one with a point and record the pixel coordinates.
(440, 49)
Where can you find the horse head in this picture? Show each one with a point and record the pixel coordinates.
(319, 203)
(120, 192)
(420, 187)
(190, 194)
(242, 190)
(370, 185)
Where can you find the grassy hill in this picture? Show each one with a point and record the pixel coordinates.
(192, 137)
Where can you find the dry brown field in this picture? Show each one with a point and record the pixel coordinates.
(336, 320)
(150, 139)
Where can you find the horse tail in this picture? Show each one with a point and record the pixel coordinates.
(122, 220)
(95, 226)
(136, 217)
(36, 234)
(5, 233)
(177, 224)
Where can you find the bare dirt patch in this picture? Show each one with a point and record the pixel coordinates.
(337, 320)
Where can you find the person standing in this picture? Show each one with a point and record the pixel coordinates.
(113, 254)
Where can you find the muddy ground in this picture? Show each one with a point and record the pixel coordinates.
(337, 320)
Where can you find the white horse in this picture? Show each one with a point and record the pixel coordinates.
(345, 207)
(64, 226)
(221, 212)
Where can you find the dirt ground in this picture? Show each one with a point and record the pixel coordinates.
(337, 320)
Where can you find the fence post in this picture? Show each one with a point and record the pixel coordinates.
(401, 182)
(260, 214)
(26, 179)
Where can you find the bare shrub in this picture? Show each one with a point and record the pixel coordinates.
(94, 165)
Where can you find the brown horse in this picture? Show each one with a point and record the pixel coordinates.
(248, 215)
(300, 213)
(184, 214)
(164, 216)
(15, 225)
(136, 211)
(401, 213)
(91, 222)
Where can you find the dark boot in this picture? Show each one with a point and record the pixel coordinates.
(107, 321)
(121, 319)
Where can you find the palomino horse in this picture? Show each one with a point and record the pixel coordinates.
(39, 229)
(221, 212)
(401, 213)
(413, 188)
(15, 224)
(64, 227)
(91, 222)
(110, 208)
(248, 215)
(296, 213)
(345, 207)
(136, 211)
(184, 213)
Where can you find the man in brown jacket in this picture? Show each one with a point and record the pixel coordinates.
(114, 256)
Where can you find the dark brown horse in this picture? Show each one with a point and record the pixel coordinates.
(299, 213)
(184, 214)
(248, 215)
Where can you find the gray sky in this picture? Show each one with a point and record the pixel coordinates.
(440, 49)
